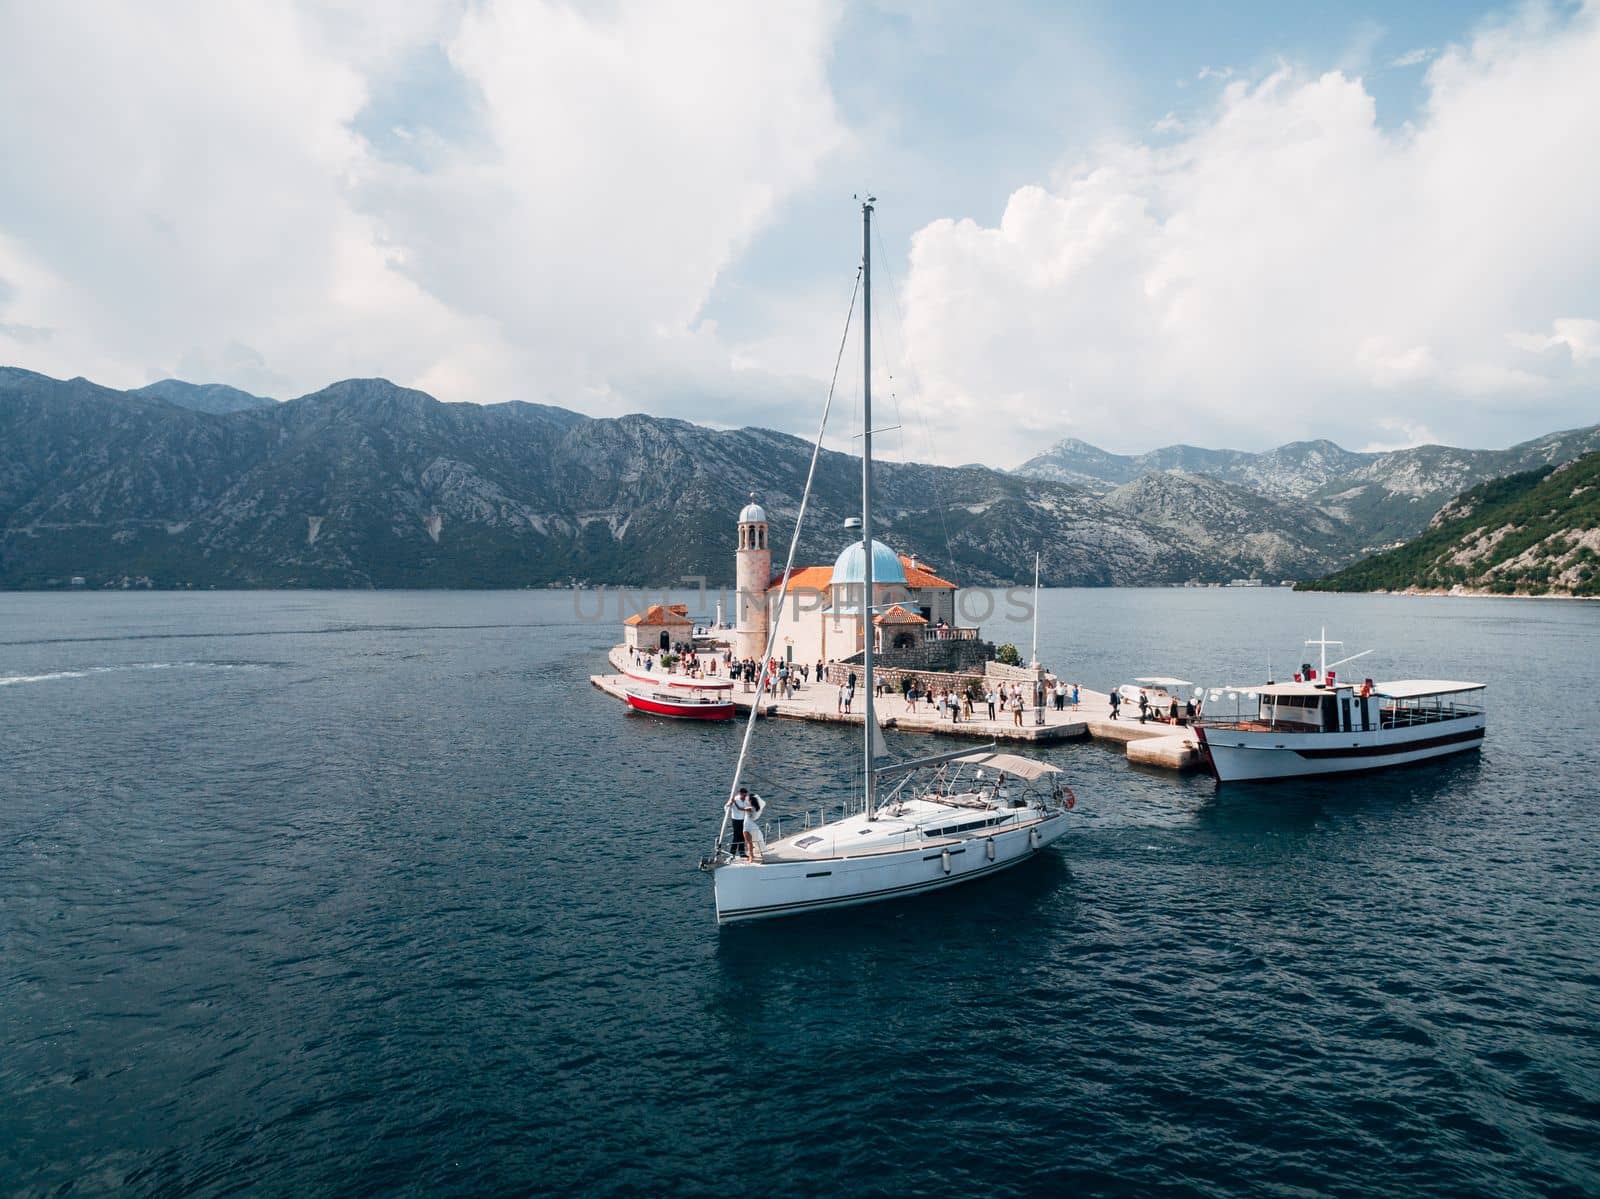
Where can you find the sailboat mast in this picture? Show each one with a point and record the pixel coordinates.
(868, 726)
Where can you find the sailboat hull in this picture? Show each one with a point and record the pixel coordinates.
(765, 890)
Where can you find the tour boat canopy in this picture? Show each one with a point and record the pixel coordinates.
(1277, 689)
(1025, 768)
(1163, 682)
(1418, 688)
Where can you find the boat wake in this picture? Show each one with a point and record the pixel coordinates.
(17, 680)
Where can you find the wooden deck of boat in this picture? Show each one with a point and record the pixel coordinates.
(1151, 744)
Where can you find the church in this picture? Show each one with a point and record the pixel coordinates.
(911, 605)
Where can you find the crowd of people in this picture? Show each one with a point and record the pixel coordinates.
(1185, 714)
(989, 698)
(782, 678)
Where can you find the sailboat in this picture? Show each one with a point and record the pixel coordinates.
(923, 824)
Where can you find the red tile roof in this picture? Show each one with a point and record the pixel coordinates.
(820, 578)
(805, 578)
(918, 575)
(898, 615)
(656, 614)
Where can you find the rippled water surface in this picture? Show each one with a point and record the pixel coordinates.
(373, 894)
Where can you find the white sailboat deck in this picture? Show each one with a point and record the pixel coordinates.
(933, 822)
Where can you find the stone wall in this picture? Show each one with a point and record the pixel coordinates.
(1010, 674)
(837, 672)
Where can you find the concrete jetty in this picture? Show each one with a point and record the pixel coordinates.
(1151, 744)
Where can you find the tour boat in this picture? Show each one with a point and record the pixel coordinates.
(949, 819)
(680, 704)
(1322, 726)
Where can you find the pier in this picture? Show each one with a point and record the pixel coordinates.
(1153, 744)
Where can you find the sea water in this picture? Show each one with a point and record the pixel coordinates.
(373, 894)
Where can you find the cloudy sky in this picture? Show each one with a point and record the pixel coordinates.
(1130, 223)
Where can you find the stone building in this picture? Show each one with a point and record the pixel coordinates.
(658, 627)
(913, 609)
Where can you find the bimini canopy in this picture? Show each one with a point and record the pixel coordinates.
(1276, 689)
(1025, 768)
(1417, 688)
(1163, 682)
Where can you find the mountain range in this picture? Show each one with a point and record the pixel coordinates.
(366, 484)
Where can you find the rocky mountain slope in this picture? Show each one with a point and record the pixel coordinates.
(1358, 502)
(1534, 533)
(1239, 530)
(369, 484)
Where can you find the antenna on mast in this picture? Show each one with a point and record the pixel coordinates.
(1324, 643)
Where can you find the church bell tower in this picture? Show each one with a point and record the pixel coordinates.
(753, 571)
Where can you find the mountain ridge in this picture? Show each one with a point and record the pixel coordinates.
(368, 484)
(365, 483)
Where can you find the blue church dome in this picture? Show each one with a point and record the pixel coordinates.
(886, 566)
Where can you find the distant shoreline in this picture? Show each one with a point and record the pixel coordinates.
(1462, 593)
(680, 588)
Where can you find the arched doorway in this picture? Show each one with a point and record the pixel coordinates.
(666, 641)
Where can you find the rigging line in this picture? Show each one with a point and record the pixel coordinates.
(894, 392)
(922, 417)
(788, 567)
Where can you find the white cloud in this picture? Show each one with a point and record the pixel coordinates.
(1171, 123)
(1221, 73)
(1398, 435)
(1579, 337)
(205, 204)
(1290, 267)
(1413, 58)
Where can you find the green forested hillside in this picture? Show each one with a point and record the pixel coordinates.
(1536, 533)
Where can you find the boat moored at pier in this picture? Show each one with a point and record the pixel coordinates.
(680, 704)
(1314, 728)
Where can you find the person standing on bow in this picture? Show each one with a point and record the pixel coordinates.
(740, 809)
(754, 842)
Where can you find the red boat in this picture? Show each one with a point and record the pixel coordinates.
(681, 705)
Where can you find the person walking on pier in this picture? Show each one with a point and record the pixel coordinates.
(1074, 697)
(1016, 707)
(989, 698)
(1144, 706)
(1116, 702)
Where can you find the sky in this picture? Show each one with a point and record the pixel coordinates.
(1134, 224)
